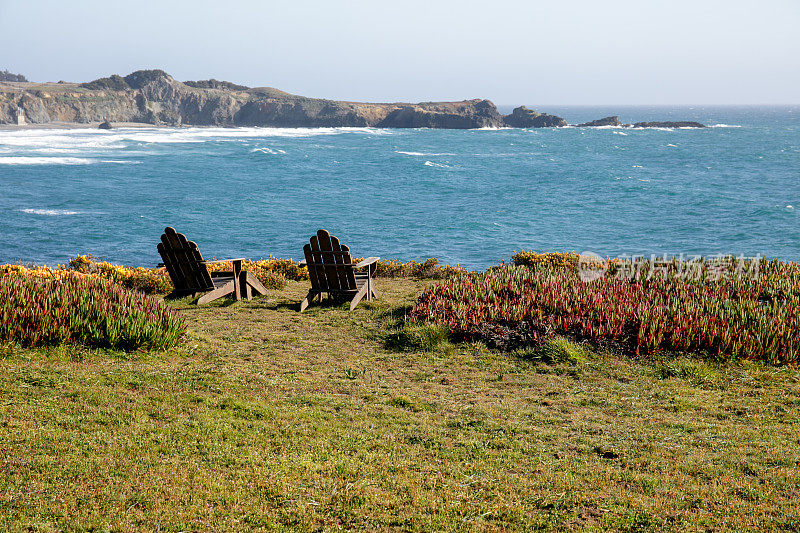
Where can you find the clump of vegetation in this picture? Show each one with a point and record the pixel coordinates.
(427, 269)
(74, 308)
(5, 75)
(216, 84)
(419, 337)
(750, 316)
(115, 82)
(289, 269)
(695, 371)
(559, 260)
(140, 78)
(147, 280)
(555, 350)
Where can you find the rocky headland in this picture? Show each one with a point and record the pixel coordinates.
(154, 97)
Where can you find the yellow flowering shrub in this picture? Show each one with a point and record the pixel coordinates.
(147, 280)
(428, 268)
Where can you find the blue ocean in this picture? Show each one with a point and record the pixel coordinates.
(468, 197)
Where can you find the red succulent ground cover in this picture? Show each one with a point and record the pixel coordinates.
(754, 316)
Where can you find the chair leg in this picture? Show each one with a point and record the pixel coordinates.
(246, 290)
(308, 299)
(372, 292)
(255, 283)
(359, 295)
(237, 276)
(226, 289)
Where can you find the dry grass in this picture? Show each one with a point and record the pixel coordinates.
(270, 419)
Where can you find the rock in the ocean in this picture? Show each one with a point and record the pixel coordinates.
(682, 124)
(607, 121)
(105, 125)
(522, 117)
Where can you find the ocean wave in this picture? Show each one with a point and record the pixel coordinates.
(619, 133)
(725, 126)
(438, 165)
(92, 139)
(421, 153)
(25, 160)
(121, 161)
(50, 212)
(267, 150)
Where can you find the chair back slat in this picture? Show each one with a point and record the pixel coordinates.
(184, 264)
(329, 260)
(344, 265)
(316, 277)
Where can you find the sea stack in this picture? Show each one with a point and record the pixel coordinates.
(522, 117)
(606, 121)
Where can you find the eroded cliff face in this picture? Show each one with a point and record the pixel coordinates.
(154, 97)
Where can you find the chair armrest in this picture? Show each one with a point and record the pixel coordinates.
(302, 264)
(223, 260)
(366, 262)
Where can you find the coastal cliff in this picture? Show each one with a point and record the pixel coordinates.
(154, 97)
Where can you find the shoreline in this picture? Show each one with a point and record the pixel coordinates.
(57, 125)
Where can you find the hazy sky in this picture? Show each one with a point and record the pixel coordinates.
(531, 52)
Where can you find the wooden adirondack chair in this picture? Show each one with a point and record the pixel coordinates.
(332, 271)
(190, 274)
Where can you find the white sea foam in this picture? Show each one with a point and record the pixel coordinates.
(725, 126)
(50, 212)
(121, 161)
(421, 153)
(25, 160)
(672, 145)
(268, 150)
(439, 165)
(91, 139)
(637, 166)
(619, 133)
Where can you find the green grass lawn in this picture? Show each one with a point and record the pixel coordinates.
(265, 418)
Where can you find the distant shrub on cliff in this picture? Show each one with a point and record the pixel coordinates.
(8, 76)
(140, 78)
(134, 80)
(216, 84)
(115, 82)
